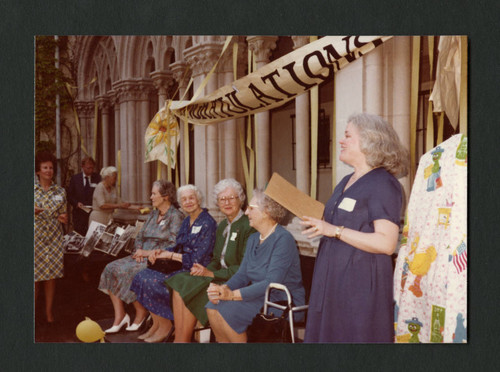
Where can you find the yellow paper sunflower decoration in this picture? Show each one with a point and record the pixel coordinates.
(162, 137)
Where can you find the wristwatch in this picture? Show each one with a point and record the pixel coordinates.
(338, 232)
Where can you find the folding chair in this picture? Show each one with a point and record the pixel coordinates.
(293, 309)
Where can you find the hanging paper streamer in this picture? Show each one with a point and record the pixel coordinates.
(463, 85)
(94, 146)
(119, 169)
(314, 98)
(429, 138)
(415, 70)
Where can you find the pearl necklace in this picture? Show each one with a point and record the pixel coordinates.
(267, 236)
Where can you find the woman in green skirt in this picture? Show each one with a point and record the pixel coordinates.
(189, 290)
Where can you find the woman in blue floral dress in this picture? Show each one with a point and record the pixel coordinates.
(158, 233)
(50, 213)
(195, 243)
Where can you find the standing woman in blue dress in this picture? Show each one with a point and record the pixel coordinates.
(351, 294)
(50, 215)
(194, 245)
(271, 257)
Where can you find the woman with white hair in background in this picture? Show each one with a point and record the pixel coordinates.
(106, 199)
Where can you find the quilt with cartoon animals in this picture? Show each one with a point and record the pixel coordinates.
(430, 278)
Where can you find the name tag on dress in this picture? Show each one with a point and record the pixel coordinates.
(162, 222)
(347, 204)
(233, 236)
(195, 229)
(58, 198)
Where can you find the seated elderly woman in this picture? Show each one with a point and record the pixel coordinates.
(271, 257)
(158, 232)
(194, 244)
(189, 289)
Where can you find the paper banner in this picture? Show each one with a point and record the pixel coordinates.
(279, 81)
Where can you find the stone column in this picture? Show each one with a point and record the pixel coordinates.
(179, 73)
(162, 80)
(401, 83)
(116, 109)
(85, 112)
(127, 95)
(349, 85)
(374, 93)
(104, 105)
(302, 132)
(228, 129)
(201, 59)
(262, 46)
(132, 145)
(144, 117)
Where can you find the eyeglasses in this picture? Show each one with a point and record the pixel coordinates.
(228, 199)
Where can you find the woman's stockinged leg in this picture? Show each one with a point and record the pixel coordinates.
(140, 312)
(223, 331)
(164, 326)
(50, 291)
(184, 320)
(118, 307)
(151, 331)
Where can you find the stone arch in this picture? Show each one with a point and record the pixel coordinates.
(97, 59)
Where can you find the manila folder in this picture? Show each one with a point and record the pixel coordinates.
(297, 202)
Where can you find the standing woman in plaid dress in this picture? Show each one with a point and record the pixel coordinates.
(50, 214)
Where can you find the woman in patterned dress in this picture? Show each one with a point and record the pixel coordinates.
(50, 214)
(194, 244)
(158, 233)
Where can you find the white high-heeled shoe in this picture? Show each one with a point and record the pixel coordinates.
(117, 328)
(134, 326)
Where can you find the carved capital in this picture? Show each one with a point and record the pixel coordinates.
(201, 58)
(104, 104)
(85, 109)
(112, 97)
(128, 90)
(300, 41)
(144, 89)
(262, 46)
(162, 80)
(179, 72)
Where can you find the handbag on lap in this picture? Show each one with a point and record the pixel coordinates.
(164, 265)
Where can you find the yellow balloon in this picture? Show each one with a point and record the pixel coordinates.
(89, 331)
